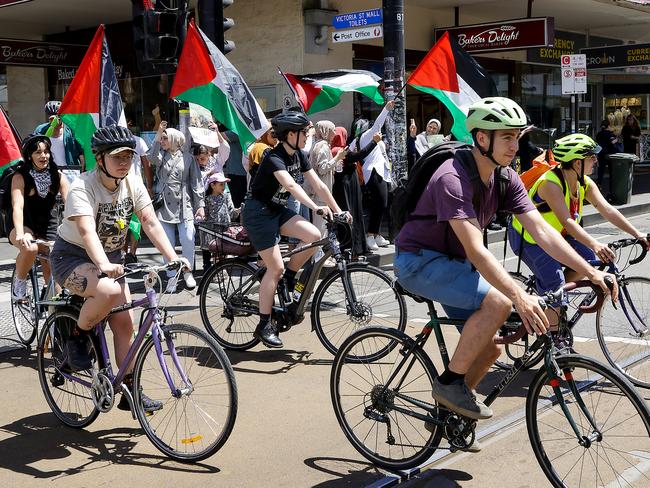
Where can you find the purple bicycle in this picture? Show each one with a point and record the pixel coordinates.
(176, 364)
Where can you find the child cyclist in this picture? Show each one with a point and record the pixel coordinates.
(266, 215)
(90, 242)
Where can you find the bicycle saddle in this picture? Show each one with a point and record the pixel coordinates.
(403, 291)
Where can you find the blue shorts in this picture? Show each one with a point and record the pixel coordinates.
(453, 283)
(263, 222)
(549, 273)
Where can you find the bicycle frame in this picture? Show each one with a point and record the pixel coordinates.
(331, 248)
(434, 324)
(153, 322)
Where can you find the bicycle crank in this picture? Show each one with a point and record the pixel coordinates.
(103, 394)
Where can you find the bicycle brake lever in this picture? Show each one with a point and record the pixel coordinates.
(610, 285)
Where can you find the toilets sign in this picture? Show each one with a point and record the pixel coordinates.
(355, 20)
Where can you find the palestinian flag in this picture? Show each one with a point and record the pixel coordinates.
(93, 99)
(204, 76)
(455, 78)
(9, 142)
(320, 91)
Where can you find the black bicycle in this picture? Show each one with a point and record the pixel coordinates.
(587, 424)
(350, 296)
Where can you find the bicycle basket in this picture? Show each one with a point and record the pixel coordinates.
(225, 239)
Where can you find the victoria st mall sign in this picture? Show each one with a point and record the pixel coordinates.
(502, 36)
(38, 53)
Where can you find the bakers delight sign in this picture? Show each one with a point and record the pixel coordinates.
(503, 36)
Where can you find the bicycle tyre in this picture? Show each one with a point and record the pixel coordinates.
(617, 409)
(25, 314)
(351, 409)
(331, 317)
(231, 331)
(517, 349)
(201, 355)
(628, 354)
(71, 401)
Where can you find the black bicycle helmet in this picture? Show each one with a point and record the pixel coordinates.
(288, 122)
(52, 108)
(112, 137)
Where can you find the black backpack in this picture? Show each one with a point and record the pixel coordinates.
(5, 195)
(409, 190)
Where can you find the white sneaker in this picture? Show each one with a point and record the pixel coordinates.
(171, 285)
(190, 282)
(19, 290)
(330, 262)
(380, 241)
(372, 245)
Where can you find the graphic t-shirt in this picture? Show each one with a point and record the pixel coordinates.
(265, 187)
(112, 210)
(449, 196)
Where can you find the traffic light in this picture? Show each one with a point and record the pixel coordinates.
(227, 23)
(158, 31)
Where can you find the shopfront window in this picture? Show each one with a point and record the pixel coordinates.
(542, 99)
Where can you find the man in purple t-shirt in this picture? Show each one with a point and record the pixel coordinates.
(443, 258)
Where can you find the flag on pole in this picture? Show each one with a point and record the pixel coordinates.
(9, 142)
(204, 76)
(93, 99)
(452, 76)
(319, 91)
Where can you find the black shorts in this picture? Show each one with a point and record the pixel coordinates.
(263, 222)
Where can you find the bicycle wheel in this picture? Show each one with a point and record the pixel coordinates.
(377, 303)
(68, 394)
(226, 301)
(516, 350)
(624, 334)
(25, 312)
(195, 424)
(367, 408)
(614, 453)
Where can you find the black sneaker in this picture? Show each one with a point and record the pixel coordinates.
(268, 335)
(148, 404)
(129, 258)
(77, 350)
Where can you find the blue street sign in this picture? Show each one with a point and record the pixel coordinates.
(353, 20)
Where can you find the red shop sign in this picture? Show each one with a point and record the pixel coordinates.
(503, 36)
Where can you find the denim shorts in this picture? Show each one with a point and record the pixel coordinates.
(549, 273)
(263, 222)
(66, 257)
(453, 283)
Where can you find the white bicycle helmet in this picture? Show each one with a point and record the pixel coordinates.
(495, 113)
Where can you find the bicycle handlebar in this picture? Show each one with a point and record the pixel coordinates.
(145, 268)
(338, 217)
(622, 243)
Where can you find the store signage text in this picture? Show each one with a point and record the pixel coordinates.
(618, 56)
(63, 74)
(32, 53)
(566, 43)
(507, 35)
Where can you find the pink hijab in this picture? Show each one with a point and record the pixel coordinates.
(338, 143)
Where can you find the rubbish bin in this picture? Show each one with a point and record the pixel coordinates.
(622, 175)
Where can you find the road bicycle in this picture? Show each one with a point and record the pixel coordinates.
(31, 310)
(587, 425)
(623, 331)
(351, 296)
(176, 364)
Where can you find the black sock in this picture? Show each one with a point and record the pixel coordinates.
(448, 377)
(290, 278)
